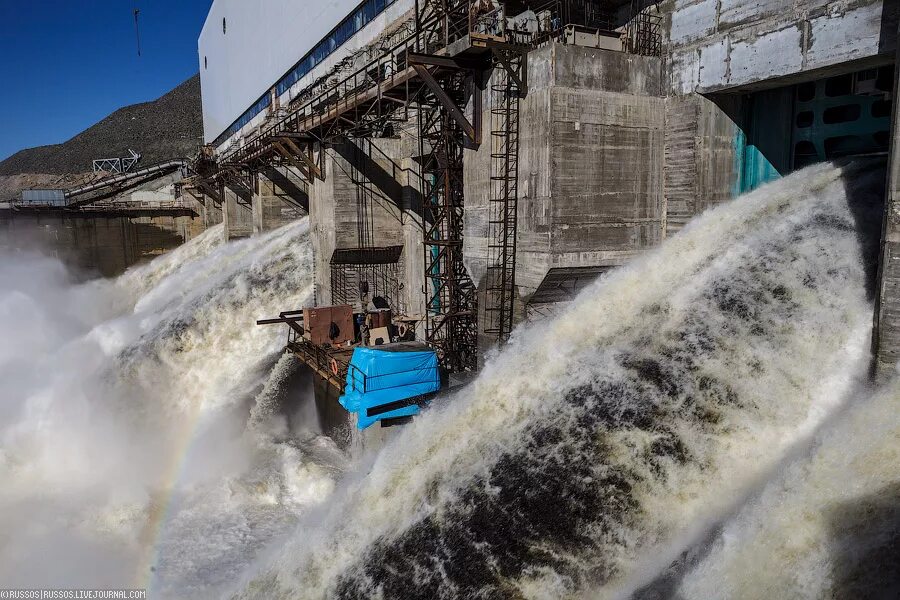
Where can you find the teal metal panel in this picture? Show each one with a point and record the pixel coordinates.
(817, 140)
(739, 148)
(757, 169)
(767, 149)
(791, 127)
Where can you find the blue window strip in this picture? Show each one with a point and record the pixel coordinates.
(359, 18)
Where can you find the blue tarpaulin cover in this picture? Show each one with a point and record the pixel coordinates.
(378, 377)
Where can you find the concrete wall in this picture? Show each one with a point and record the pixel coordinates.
(93, 246)
(703, 146)
(270, 209)
(886, 334)
(720, 44)
(212, 212)
(334, 208)
(237, 216)
(589, 118)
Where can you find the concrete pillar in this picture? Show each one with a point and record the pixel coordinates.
(212, 214)
(257, 209)
(886, 334)
(334, 205)
(237, 217)
(270, 211)
(590, 115)
(413, 238)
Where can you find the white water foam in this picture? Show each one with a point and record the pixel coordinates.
(827, 527)
(584, 460)
(596, 447)
(124, 453)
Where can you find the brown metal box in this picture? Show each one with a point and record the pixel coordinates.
(318, 320)
(380, 318)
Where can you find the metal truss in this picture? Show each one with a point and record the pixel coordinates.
(116, 165)
(243, 182)
(451, 300)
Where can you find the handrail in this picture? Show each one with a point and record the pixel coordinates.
(352, 379)
(294, 114)
(387, 67)
(123, 177)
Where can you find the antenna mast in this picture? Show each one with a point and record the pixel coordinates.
(137, 30)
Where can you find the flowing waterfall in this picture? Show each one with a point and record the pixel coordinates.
(693, 425)
(124, 452)
(598, 447)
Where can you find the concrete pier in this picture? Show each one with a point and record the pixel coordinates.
(368, 200)
(237, 216)
(272, 207)
(95, 246)
(886, 333)
(590, 117)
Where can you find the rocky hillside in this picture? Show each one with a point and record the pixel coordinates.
(169, 127)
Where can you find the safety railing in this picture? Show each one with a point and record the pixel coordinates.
(390, 68)
(490, 23)
(320, 359)
(383, 72)
(359, 381)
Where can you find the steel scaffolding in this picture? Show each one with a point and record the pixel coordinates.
(451, 298)
(435, 72)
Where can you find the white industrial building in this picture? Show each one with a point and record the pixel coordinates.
(258, 55)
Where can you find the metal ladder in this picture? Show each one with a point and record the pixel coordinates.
(500, 288)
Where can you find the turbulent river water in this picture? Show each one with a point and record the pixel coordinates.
(695, 425)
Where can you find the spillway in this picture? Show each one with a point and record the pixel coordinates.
(125, 454)
(703, 401)
(828, 526)
(597, 448)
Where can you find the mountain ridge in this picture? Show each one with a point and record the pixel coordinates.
(169, 127)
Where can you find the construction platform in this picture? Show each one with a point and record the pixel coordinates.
(367, 357)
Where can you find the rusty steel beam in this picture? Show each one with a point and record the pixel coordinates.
(447, 103)
(434, 60)
(311, 165)
(287, 155)
(520, 75)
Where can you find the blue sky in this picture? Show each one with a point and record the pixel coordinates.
(66, 64)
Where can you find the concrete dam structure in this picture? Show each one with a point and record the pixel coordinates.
(97, 204)
(704, 437)
(579, 300)
(474, 165)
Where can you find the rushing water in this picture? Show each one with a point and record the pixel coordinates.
(827, 526)
(693, 426)
(597, 448)
(125, 455)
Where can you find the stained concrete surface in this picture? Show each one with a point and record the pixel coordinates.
(93, 246)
